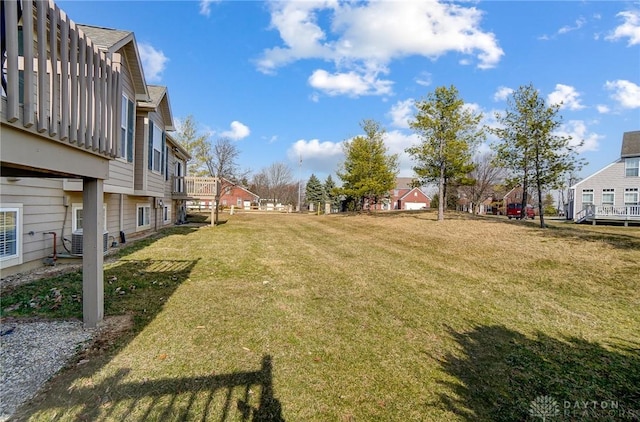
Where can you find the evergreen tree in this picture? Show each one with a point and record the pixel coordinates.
(449, 132)
(368, 172)
(330, 192)
(314, 192)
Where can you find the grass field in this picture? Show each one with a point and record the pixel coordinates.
(384, 317)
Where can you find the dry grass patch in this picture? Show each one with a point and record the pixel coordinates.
(370, 317)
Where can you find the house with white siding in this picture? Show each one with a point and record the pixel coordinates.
(87, 157)
(613, 193)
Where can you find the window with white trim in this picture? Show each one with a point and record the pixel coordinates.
(166, 214)
(587, 196)
(632, 167)
(156, 148)
(608, 196)
(143, 216)
(10, 235)
(631, 196)
(127, 118)
(77, 216)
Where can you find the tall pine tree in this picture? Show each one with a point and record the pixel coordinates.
(368, 171)
(449, 131)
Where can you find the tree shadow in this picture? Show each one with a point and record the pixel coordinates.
(577, 233)
(501, 374)
(221, 398)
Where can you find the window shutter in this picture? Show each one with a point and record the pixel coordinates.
(163, 152)
(150, 164)
(130, 118)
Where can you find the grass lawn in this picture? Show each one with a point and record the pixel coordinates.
(359, 318)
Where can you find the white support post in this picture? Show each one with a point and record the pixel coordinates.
(92, 251)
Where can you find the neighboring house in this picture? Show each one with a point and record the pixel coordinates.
(230, 195)
(612, 193)
(405, 197)
(409, 199)
(237, 196)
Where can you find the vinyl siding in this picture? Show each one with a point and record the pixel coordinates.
(42, 211)
(611, 177)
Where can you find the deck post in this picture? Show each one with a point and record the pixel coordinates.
(92, 252)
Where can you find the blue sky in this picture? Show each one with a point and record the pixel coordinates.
(286, 79)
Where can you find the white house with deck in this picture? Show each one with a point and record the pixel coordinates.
(611, 194)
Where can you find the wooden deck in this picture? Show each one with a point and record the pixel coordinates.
(609, 213)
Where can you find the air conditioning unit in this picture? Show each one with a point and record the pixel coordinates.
(76, 242)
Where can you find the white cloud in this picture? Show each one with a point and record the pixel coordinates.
(566, 96)
(397, 141)
(402, 112)
(320, 157)
(153, 62)
(364, 37)
(350, 83)
(624, 92)
(424, 79)
(502, 93)
(603, 109)
(629, 29)
(238, 131)
(578, 24)
(578, 131)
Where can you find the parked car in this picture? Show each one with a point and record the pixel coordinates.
(513, 211)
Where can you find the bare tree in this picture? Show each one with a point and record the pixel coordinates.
(275, 183)
(220, 159)
(484, 176)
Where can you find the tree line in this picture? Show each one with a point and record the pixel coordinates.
(528, 152)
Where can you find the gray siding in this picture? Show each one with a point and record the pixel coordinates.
(610, 177)
(42, 211)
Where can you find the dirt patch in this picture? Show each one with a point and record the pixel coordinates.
(109, 331)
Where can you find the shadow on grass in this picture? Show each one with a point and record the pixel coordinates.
(138, 244)
(206, 398)
(590, 234)
(500, 373)
(138, 289)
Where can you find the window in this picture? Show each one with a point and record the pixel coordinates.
(587, 196)
(632, 167)
(239, 202)
(166, 214)
(126, 129)
(10, 235)
(156, 148)
(144, 213)
(77, 216)
(608, 196)
(631, 196)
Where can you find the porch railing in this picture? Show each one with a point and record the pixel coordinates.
(56, 83)
(194, 187)
(627, 212)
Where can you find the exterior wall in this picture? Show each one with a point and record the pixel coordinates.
(415, 196)
(610, 177)
(42, 211)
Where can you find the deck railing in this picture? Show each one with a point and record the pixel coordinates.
(193, 187)
(56, 83)
(627, 212)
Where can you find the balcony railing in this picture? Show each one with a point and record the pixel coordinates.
(56, 83)
(192, 187)
(609, 212)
